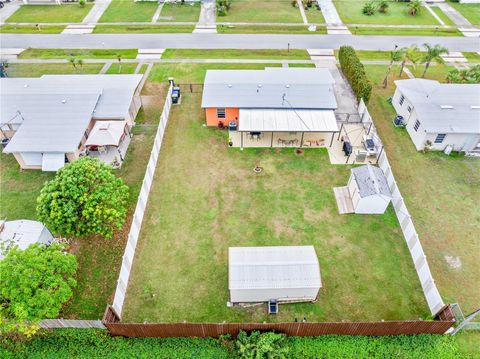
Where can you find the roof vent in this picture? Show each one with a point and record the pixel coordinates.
(26, 85)
(446, 107)
(287, 86)
(229, 85)
(259, 85)
(475, 107)
(64, 101)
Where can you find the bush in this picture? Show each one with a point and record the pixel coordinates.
(383, 6)
(465, 76)
(261, 345)
(369, 8)
(223, 6)
(355, 73)
(82, 3)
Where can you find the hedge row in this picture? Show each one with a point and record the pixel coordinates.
(355, 73)
(92, 343)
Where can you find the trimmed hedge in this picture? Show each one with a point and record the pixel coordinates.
(355, 73)
(94, 343)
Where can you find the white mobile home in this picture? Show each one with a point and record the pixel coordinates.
(440, 115)
(260, 274)
(368, 189)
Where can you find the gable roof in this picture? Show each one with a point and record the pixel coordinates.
(300, 88)
(371, 181)
(444, 108)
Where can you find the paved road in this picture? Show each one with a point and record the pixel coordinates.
(222, 41)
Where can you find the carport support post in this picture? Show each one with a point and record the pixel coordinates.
(378, 157)
(301, 140)
(340, 132)
(369, 128)
(271, 141)
(331, 141)
(241, 140)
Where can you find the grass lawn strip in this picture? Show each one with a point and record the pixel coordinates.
(142, 29)
(442, 16)
(350, 12)
(236, 54)
(314, 16)
(31, 29)
(49, 13)
(446, 191)
(404, 31)
(266, 29)
(180, 12)
(124, 68)
(472, 56)
(37, 70)
(470, 11)
(280, 11)
(78, 53)
(225, 199)
(129, 11)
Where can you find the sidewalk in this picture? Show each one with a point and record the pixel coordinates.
(97, 11)
(334, 23)
(8, 10)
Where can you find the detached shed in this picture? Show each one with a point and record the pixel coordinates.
(369, 190)
(259, 274)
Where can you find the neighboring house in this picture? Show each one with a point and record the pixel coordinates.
(275, 107)
(439, 115)
(283, 274)
(22, 233)
(47, 121)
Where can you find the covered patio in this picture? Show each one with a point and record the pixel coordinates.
(108, 142)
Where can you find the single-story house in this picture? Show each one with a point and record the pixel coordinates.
(274, 107)
(22, 233)
(261, 274)
(440, 115)
(47, 121)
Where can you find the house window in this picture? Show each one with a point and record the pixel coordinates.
(409, 109)
(402, 99)
(416, 125)
(221, 113)
(440, 137)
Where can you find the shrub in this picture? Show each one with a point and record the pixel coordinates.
(223, 6)
(355, 73)
(369, 8)
(383, 6)
(261, 345)
(465, 76)
(81, 3)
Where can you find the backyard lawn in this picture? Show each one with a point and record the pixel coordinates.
(350, 12)
(206, 198)
(262, 11)
(49, 13)
(470, 11)
(129, 11)
(441, 193)
(180, 12)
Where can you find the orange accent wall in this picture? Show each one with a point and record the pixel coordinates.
(231, 114)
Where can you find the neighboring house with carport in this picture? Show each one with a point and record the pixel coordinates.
(274, 107)
(367, 192)
(46, 122)
(440, 115)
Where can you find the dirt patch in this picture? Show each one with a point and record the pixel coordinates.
(453, 262)
(314, 216)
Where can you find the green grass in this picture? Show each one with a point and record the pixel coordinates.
(37, 70)
(78, 53)
(262, 11)
(350, 12)
(301, 65)
(236, 54)
(142, 29)
(49, 13)
(266, 29)
(314, 16)
(129, 11)
(125, 68)
(392, 31)
(442, 16)
(205, 198)
(437, 189)
(31, 29)
(470, 11)
(472, 56)
(180, 12)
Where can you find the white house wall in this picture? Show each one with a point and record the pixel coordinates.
(459, 141)
(264, 295)
(375, 204)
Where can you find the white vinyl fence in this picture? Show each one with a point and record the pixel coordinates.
(134, 233)
(70, 323)
(434, 300)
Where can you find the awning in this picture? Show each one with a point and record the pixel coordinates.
(287, 120)
(53, 161)
(106, 133)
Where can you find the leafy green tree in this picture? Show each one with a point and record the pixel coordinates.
(395, 55)
(414, 7)
(34, 283)
(411, 55)
(433, 53)
(465, 76)
(383, 6)
(84, 198)
(369, 8)
(261, 345)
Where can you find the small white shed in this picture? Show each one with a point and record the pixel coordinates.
(22, 233)
(259, 274)
(369, 190)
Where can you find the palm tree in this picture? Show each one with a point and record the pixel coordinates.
(73, 62)
(409, 54)
(80, 62)
(433, 53)
(395, 55)
(414, 7)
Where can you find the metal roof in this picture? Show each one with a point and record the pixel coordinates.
(273, 267)
(371, 181)
(287, 120)
(23, 233)
(304, 88)
(55, 110)
(444, 108)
